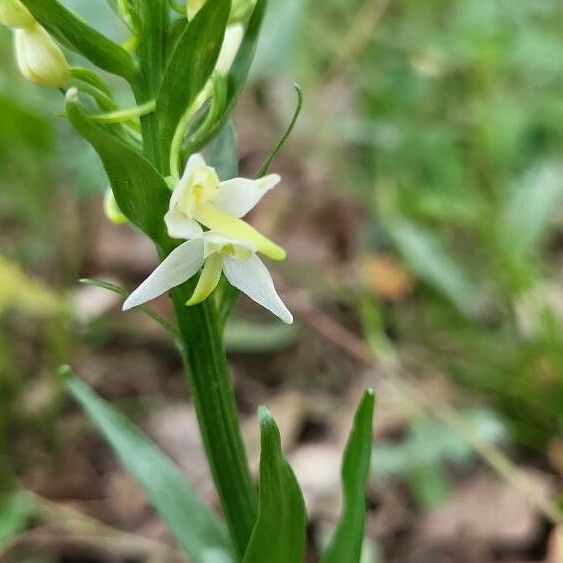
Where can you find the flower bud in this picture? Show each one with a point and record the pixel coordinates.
(14, 14)
(40, 59)
(231, 44)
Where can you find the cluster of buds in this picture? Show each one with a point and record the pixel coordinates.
(39, 58)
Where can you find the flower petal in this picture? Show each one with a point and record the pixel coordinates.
(180, 265)
(179, 226)
(219, 221)
(253, 279)
(239, 195)
(195, 162)
(208, 280)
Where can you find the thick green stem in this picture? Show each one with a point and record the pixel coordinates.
(200, 331)
(202, 346)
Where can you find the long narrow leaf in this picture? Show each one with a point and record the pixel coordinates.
(279, 533)
(197, 529)
(265, 168)
(72, 31)
(191, 65)
(140, 191)
(346, 543)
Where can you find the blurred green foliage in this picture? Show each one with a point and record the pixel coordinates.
(449, 131)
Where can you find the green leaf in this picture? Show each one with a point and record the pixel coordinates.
(223, 153)
(283, 25)
(279, 533)
(530, 208)
(425, 254)
(346, 543)
(140, 191)
(72, 31)
(16, 512)
(265, 168)
(191, 65)
(236, 78)
(202, 535)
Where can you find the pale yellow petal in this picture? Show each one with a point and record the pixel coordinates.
(208, 279)
(224, 224)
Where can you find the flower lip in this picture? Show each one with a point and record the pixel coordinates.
(215, 243)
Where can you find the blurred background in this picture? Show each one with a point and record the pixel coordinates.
(422, 209)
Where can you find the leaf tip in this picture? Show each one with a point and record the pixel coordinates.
(65, 372)
(265, 416)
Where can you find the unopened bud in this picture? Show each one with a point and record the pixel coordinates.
(40, 59)
(14, 14)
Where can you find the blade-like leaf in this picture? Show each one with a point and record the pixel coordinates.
(197, 529)
(191, 65)
(265, 168)
(223, 153)
(72, 31)
(346, 543)
(236, 78)
(429, 259)
(279, 533)
(140, 191)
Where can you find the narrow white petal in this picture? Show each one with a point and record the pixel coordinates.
(179, 226)
(180, 265)
(252, 278)
(239, 195)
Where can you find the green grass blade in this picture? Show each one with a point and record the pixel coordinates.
(279, 533)
(346, 543)
(197, 529)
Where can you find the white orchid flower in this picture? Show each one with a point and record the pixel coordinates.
(217, 254)
(39, 58)
(201, 198)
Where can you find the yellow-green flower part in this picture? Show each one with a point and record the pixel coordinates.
(111, 209)
(39, 58)
(200, 198)
(14, 14)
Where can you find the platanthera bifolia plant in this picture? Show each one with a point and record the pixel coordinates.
(186, 66)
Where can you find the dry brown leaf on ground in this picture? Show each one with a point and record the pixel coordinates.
(386, 277)
(486, 510)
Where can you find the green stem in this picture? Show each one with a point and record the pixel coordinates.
(217, 413)
(200, 333)
(154, 22)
